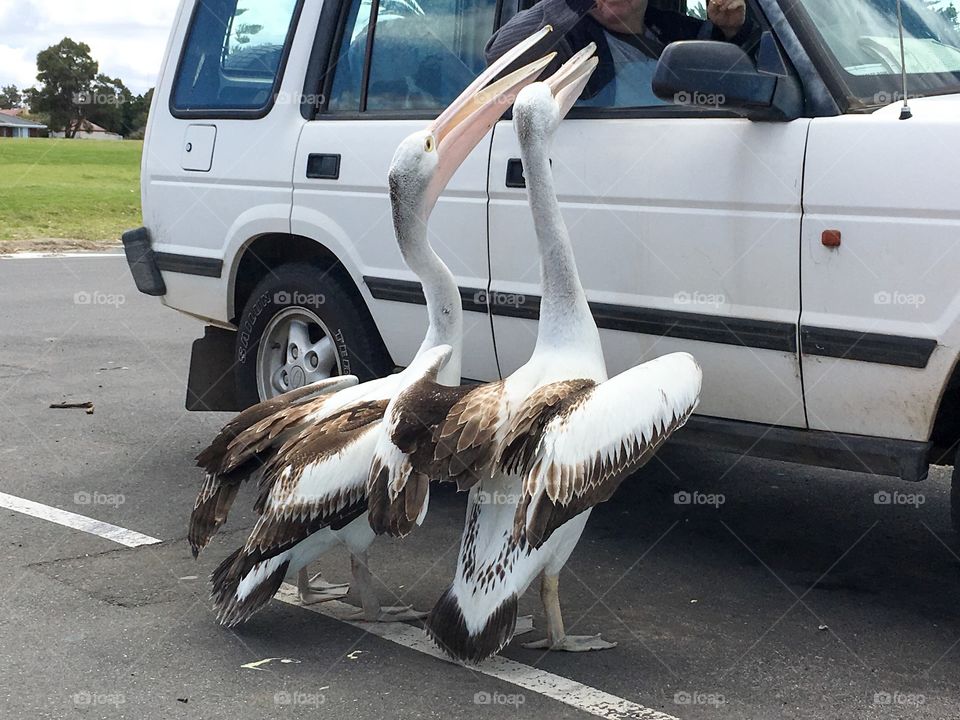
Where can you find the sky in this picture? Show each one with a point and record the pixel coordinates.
(127, 37)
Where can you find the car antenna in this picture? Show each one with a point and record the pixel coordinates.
(905, 112)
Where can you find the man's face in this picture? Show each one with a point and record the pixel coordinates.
(615, 13)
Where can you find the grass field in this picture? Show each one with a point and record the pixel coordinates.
(52, 191)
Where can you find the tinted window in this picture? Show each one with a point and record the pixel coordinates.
(423, 54)
(233, 53)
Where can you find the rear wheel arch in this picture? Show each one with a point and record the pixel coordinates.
(259, 265)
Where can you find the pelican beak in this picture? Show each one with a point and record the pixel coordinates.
(459, 128)
(568, 82)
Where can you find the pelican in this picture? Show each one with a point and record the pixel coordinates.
(313, 485)
(537, 450)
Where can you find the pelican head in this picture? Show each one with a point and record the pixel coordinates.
(426, 160)
(541, 106)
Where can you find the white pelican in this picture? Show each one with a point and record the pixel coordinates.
(313, 485)
(537, 450)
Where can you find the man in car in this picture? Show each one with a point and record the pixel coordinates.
(629, 35)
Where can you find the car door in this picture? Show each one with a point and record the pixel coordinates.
(685, 222)
(221, 142)
(393, 66)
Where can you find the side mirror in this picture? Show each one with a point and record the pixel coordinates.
(709, 73)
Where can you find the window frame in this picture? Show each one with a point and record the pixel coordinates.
(334, 40)
(232, 113)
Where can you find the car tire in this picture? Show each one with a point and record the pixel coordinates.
(300, 324)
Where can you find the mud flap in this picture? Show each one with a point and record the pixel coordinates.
(210, 385)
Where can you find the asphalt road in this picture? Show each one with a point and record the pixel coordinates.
(798, 596)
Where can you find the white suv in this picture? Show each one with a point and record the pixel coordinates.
(777, 219)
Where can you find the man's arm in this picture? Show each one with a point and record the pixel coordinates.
(673, 26)
(562, 15)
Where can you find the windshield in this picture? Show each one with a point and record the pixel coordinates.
(861, 39)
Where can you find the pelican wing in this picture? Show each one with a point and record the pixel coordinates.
(575, 441)
(317, 478)
(212, 457)
(403, 464)
(227, 463)
(466, 441)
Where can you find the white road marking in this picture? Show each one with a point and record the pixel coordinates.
(570, 692)
(50, 255)
(130, 538)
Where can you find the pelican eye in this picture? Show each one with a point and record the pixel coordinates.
(429, 144)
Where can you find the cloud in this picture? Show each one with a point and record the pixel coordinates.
(128, 39)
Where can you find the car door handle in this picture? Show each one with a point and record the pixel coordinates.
(323, 166)
(515, 177)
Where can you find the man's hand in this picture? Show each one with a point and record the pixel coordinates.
(728, 15)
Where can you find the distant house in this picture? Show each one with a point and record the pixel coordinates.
(90, 131)
(14, 126)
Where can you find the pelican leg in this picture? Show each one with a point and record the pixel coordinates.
(557, 638)
(371, 610)
(311, 590)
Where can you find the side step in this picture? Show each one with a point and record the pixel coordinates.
(906, 459)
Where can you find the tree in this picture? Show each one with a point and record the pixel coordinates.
(66, 73)
(107, 104)
(135, 113)
(949, 13)
(10, 97)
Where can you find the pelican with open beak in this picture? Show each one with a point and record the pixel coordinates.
(314, 454)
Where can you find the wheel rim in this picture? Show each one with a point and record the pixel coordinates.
(297, 349)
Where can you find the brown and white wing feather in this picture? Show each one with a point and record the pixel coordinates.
(318, 477)
(403, 464)
(224, 476)
(576, 441)
(466, 442)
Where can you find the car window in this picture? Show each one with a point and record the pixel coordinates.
(864, 36)
(635, 57)
(422, 54)
(233, 54)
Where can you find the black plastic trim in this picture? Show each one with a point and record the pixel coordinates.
(315, 84)
(189, 264)
(515, 178)
(226, 113)
(867, 347)
(906, 459)
(762, 334)
(323, 166)
(143, 262)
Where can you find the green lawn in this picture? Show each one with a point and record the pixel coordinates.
(85, 190)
